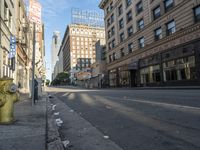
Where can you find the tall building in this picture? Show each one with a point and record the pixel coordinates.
(152, 42)
(16, 41)
(24, 47)
(55, 46)
(100, 50)
(60, 61)
(98, 69)
(7, 29)
(79, 45)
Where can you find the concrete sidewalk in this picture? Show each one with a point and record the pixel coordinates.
(29, 130)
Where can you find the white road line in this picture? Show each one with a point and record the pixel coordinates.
(156, 103)
(65, 94)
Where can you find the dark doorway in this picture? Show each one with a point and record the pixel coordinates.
(133, 77)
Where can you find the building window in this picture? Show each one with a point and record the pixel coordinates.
(114, 56)
(179, 69)
(140, 24)
(5, 11)
(197, 13)
(108, 22)
(122, 52)
(150, 74)
(158, 33)
(113, 43)
(112, 18)
(10, 20)
(128, 3)
(129, 16)
(156, 13)
(120, 10)
(141, 42)
(110, 58)
(109, 34)
(121, 23)
(171, 27)
(130, 47)
(110, 45)
(130, 31)
(113, 30)
(122, 37)
(111, 5)
(139, 7)
(56, 40)
(168, 4)
(107, 9)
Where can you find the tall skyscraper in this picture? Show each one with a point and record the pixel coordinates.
(56, 42)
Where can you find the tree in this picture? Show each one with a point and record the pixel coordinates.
(47, 82)
(61, 79)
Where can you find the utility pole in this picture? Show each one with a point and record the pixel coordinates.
(1, 53)
(33, 67)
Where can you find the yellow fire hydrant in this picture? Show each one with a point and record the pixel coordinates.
(8, 96)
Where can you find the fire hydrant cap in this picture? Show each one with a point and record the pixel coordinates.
(12, 88)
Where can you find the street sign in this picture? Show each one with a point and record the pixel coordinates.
(12, 46)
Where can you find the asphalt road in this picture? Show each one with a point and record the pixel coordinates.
(140, 119)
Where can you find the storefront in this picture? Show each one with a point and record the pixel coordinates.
(119, 77)
(178, 66)
(173, 67)
(124, 76)
(113, 78)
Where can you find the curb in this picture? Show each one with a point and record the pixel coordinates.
(138, 88)
(53, 137)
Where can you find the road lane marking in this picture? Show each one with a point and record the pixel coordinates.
(66, 94)
(168, 128)
(165, 105)
(154, 103)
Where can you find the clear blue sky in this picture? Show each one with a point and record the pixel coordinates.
(56, 15)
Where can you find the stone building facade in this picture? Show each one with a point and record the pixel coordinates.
(79, 44)
(24, 47)
(7, 29)
(152, 42)
(15, 24)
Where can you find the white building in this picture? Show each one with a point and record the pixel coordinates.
(56, 42)
(58, 68)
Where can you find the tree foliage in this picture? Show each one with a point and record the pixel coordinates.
(61, 79)
(47, 82)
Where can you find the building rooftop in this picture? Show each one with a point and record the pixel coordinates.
(85, 26)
